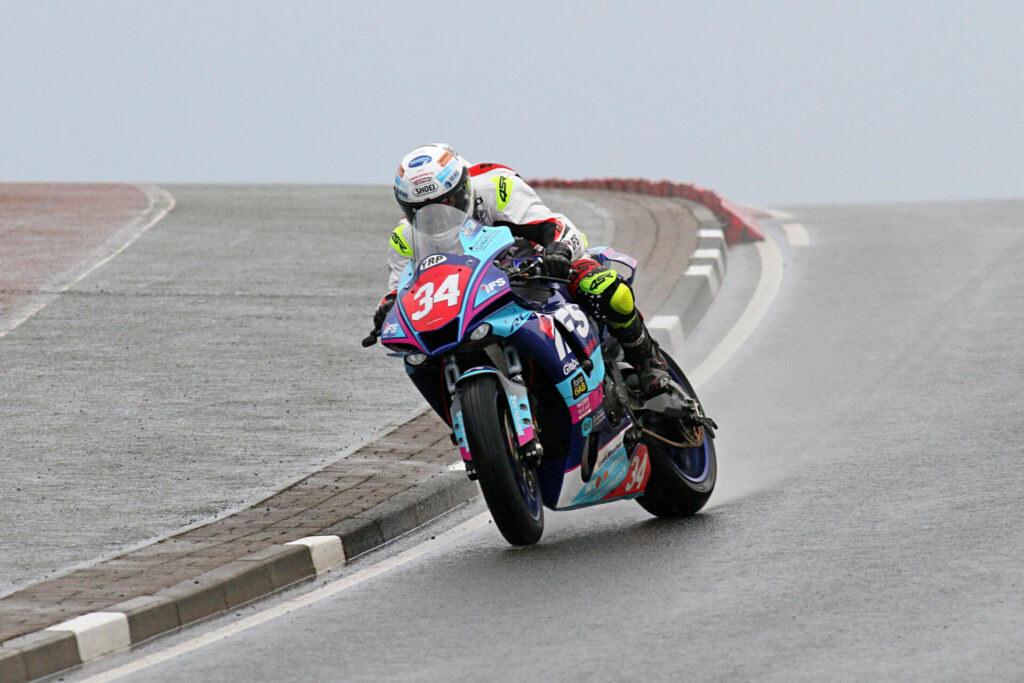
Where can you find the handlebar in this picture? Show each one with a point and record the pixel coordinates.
(543, 278)
(527, 272)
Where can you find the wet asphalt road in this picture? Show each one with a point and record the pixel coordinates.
(210, 364)
(866, 524)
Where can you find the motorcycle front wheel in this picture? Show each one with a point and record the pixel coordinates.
(511, 489)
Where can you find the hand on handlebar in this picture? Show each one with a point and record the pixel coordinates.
(378, 318)
(557, 258)
(371, 339)
(528, 272)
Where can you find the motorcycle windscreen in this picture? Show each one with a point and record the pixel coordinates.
(435, 230)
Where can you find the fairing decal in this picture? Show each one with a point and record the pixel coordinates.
(396, 331)
(518, 402)
(459, 430)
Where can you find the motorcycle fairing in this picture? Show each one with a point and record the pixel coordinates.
(396, 330)
(475, 273)
(617, 475)
(429, 304)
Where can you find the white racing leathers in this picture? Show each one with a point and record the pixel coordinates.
(500, 197)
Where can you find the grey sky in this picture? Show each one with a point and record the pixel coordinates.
(766, 102)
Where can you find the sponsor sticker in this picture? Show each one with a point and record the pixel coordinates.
(432, 261)
(444, 174)
(424, 189)
(503, 188)
(489, 287)
(419, 161)
(597, 284)
(445, 158)
(479, 210)
(483, 241)
(579, 385)
(400, 244)
(401, 171)
(567, 369)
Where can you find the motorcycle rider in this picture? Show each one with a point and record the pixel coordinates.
(496, 195)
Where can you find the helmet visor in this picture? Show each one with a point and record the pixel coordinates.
(458, 197)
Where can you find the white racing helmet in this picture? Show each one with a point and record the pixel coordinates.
(432, 174)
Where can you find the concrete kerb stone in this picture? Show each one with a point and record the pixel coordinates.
(97, 633)
(38, 654)
(275, 567)
(693, 293)
(148, 616)
(404, 512)
(327, 552)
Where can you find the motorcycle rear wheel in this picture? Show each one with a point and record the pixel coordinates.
(511, 489)
(682, 479)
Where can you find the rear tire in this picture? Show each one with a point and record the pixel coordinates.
(668, 492)
(682, 479)
(511, 489)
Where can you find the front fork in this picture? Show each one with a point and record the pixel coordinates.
(529, 449)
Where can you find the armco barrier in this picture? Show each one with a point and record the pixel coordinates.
(740, 226)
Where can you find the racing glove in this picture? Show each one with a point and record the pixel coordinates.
(382, 310)
(557, 257)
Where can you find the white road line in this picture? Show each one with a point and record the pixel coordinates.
(160, 204)
(767, 287)
(796, 234)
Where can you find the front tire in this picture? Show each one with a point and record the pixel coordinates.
(511, 489)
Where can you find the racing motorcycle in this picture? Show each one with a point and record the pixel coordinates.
(542, 408)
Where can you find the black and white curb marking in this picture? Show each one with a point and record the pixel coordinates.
(96, 634)
(695, 290)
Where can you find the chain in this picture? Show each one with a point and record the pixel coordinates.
(699, 433)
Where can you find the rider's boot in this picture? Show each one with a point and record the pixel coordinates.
(642, 353)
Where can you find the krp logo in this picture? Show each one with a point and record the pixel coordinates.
(432, 261)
